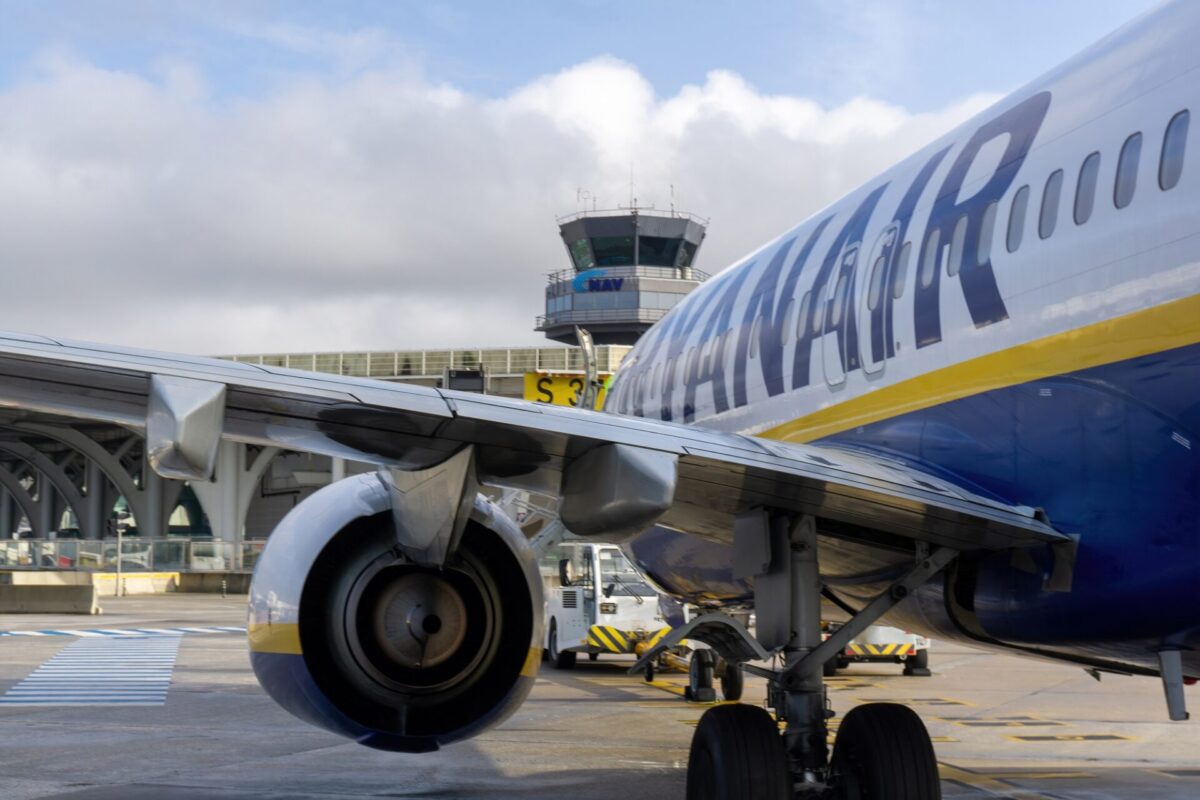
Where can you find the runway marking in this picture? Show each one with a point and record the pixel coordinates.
(1024, 721)
(991, 785)
(101, 633)
(1178, 773)
(124, 671)
(1073, 737)
(926, 701)
(1039, 776)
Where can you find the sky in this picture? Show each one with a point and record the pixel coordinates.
(238, 177)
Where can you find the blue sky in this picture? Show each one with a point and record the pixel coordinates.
(379, 175)
(920, 54)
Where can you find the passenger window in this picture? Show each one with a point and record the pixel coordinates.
(1127, 167)
(929, 258)
(839, 300)
(1085, 189)
(983, 251)
(1050, 198)
(785, 326)
(958, 241)
(802, 316)
(901, 270)
(1170, 167)
(1016, 218)
(875, 288)
(818, 319)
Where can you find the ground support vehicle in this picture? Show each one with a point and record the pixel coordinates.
(596, 602)
(881, 643)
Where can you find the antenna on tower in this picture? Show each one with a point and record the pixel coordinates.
(672, 199)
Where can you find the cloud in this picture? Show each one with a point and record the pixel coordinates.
(380, 209)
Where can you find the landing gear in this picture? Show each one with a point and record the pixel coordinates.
(700, 677)
(882, 749)
(563, 659)
(737, 755)
(733, 680)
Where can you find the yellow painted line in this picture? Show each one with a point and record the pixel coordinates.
(1040, 776)
(949, 772)
(274, 638)
(1072, 737)
(942, 739)
(1151, 330)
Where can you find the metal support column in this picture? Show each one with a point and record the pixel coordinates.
(46, 505)
(97, 491)
(152, 487)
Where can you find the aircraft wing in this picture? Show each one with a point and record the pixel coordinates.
(538, 447)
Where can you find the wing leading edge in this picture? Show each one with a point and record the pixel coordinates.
(517, 443)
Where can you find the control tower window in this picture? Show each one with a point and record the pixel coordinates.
(581, 254)
(657, 251)
(687, 251)
(613, 251)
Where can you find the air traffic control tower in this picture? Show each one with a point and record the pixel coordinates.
(628, 268)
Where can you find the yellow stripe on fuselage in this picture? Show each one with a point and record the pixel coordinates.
(276, 638)
(1152, 330)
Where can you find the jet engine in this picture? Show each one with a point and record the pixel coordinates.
(350, 634)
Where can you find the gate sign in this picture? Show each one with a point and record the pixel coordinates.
(560, 389)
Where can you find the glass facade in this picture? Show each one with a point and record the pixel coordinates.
(613, 251)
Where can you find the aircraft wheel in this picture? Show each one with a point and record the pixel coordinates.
(700, 677)
(649, 673)
(733, 681)
(918, 664)
(562, 660)
(737, 754)
(593, 656)
(883, 750)
(830, 667)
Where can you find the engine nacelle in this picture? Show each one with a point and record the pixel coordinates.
(349, 635)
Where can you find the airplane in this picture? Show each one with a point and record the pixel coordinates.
(962, 399)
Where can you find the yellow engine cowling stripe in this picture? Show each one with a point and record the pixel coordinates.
(279, 637)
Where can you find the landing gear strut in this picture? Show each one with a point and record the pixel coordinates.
(882, 749)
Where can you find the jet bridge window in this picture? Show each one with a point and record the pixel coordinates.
(1016, 218)
(1170, 166)
(1085, 189)
(1050, 200)
(1127, 167)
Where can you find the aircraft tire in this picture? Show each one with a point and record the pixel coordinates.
(562, 659)
(700, 677)
(733, 681)
(883, 750)
(737, 754)
(830, 667)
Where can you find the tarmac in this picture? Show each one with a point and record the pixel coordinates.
(1003, 727)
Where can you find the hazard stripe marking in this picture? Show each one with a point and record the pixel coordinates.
(110, 671)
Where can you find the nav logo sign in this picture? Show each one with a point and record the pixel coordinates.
(593, 280)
